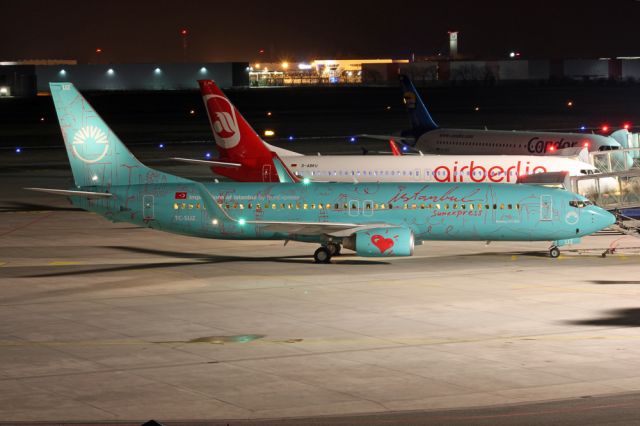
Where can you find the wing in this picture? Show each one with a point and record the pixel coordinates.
(333, 229)
(207, 162)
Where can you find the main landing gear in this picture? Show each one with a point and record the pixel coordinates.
(554, 252)
(325, 252)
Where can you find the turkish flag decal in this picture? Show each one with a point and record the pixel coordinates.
(181, 195)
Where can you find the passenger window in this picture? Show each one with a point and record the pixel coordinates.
(390, 206)
(413, 206)
(328, 206)
(274, 206)
(258, 206)
(184, 205)
(381, 206)
(197, 205)
(305, 206)
(501, 206)
(249, 206)
(176, 206)
(509, 206)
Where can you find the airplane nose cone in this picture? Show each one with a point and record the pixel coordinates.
(601, 219)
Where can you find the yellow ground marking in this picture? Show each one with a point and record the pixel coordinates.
(64, 263)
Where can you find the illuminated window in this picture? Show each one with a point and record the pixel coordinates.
(257, 206)
(320, 206)
(422, 206)
(282, 205)
(501, 206)
(446, 206)
(197, 205)
(455, 206)
(290, 206)
(305, 206)
(414, 206)
(382, 206)
(437, 206)
(190, 206)
(176, 206)
(184, 205)
(313, 206)
(328, 206)
(471, 207)
(274, 206)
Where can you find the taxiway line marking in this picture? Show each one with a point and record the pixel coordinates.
(64, 263)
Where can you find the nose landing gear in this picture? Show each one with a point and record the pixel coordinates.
(554, 252)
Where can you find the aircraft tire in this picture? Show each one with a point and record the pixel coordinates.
(322, 255)
(554, 252)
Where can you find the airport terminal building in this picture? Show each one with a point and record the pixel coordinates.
(27, 78)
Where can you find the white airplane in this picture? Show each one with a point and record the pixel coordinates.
(250, 159)
(426, 136)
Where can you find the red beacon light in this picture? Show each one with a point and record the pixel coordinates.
(184, 32)
(552, 148)
(605, 128)
(626, 126)
(585, 144)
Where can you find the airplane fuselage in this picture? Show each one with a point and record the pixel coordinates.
(472, 212)
(431, 168)
(499, 142)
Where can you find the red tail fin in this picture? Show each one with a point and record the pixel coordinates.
(237, 142)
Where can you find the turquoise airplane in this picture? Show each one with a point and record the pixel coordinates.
(373, 219)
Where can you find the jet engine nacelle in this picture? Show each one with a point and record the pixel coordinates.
(381, 242)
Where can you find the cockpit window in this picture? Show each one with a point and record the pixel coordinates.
(579, 204)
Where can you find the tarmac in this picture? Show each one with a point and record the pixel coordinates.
(108, 322)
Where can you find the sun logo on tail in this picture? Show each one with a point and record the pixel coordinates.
(92, 142)
(223, 121)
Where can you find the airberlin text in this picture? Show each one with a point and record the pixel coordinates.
(479, 174)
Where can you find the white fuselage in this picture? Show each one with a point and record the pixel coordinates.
(430, 168)
(504, 142)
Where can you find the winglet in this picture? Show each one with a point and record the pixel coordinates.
(284, 174)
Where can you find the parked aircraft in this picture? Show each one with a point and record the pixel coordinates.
(381, 219)
(245, 157)
(426, 136)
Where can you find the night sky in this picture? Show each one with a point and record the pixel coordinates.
(148, 31)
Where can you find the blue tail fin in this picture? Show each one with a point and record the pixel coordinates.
(421, 120)
(97, 156)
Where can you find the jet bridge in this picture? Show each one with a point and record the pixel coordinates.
(612, 191)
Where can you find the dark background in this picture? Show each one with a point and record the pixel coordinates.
(148, 31)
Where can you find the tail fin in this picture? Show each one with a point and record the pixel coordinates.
(421, 120)
(96, 154)
(236, 140)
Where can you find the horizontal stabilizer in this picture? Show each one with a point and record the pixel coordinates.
(68, 193)
(207, 162)
(549, 178)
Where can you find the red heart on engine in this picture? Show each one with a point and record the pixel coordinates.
(382, 243)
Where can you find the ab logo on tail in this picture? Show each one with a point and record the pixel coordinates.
(223, 121)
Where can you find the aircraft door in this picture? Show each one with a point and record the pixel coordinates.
(416, 174)
(546, 207)
(354, 207)
(266, 172)
(147, 207)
